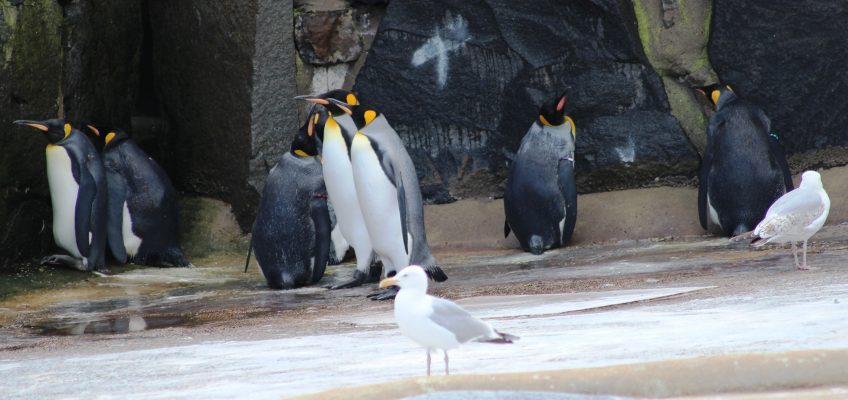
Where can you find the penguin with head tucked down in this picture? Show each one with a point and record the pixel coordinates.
(743, 170)
(334, 138)
(291, 234)
(142, 213)
(389, 196)
(78, 192)
(540, 200)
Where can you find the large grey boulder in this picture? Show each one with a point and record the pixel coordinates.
(462, 81)
(225, 73)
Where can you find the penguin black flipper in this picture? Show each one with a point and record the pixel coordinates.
(569, 194)
(401, 194)
(702, 188)
(321, 221)
(83, 209)
(117, 187)
(97, 250)
(777, 150)
(506, 229)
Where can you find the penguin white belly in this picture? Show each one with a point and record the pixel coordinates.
(379, 203)
(338, 178)
(713, 213)
(63, 193)
(131, 241)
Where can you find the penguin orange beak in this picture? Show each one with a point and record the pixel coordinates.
(388, 282)
(344, 106)
(34, 124)
(312, 99)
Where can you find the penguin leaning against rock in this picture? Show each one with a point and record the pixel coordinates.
(743, 170)
(142, 211)
(540, 199)
(334, 138)
(291, 234)
(78, 192)
(389, 196)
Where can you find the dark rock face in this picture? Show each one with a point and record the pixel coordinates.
(790, 58)
(327, 37)
(101, 44)
(462, 81)
(225, 74)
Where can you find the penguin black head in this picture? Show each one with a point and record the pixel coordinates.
(552, 113)
(362, 115)
(714, 92)
(305, 141)
(345, 96)
(56, 130)
(112, 136)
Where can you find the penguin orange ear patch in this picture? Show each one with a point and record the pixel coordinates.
(301, 153)
(715, 95)
(573, 128)
(544, 120)
(67, 129)
(109, 137)
(351, 99)
(369, 116)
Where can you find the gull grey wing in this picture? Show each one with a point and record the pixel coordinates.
(796, 201)
(458, 321)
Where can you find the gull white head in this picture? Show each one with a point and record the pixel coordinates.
(411, 278)
(811, 180)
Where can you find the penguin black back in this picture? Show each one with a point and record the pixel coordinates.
(142, 212)
(741, 173)
(291, 234)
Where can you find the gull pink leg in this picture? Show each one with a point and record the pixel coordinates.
(795, 253)
(447, 372)
(804, 265)
(428, 362)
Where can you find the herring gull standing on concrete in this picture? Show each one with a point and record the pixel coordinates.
(794, 217)
(434, 323)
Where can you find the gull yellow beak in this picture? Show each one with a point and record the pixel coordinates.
(388, 282)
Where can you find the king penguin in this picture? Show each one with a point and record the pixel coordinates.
(142, 214)
(389, 196)
(291, 234)
(540, 200)
(743, 170)
(78, 192)
(334, 138)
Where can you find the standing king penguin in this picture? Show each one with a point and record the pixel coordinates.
(540, 200)
(78, 192)
(742, 170)
(334, 141)
(291, 234)
(389, 196)
(142, 214)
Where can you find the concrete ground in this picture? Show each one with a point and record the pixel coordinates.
(667, 312)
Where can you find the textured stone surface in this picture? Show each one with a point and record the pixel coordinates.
(327, 37)
(30, 82)
(461, 82)
(791, 62)
(225, 77)
(674, 36)
(101, 50)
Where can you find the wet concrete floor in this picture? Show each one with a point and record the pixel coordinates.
(215, 332)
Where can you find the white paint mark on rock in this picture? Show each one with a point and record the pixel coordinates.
(452, 36)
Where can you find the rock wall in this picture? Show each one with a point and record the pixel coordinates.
(225, 78)
(461, 81)
(70, 59)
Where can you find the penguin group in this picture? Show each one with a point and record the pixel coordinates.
(349, 182)
(117, 197)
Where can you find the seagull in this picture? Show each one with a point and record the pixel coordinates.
(434, 323)
(794, 217)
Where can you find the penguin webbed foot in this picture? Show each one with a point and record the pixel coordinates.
(385, 294)
(66, 261)
(359, 278)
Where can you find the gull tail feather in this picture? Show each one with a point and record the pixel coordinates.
(744, 236)
(502, 339)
